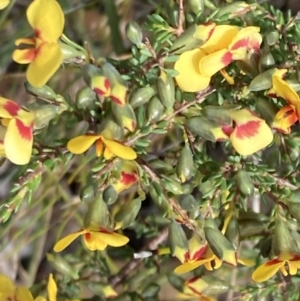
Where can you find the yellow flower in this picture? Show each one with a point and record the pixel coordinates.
(95, 238)
(52, 291)
(8, 291)
(44, 53)
(128, 176)
(194, 288)
(248, 133)
(223, 44)
(290, 113)
(271, 267)
(4, 3)
(108, 147)
(16, 135)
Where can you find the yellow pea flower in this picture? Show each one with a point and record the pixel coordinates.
(16, 137)
(271, 267)
(43, 54)
(223, 44)
(8, 291)
(52, 291)
(4, 3)
(108, 147)
(95, 238)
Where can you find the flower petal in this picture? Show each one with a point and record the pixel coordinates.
(204, 31)
(47, 19)
(46, 62)
(8, 108)
(220, 38)
(112, 239)
(190, 79)
(267, 270)
(118, 94)
(251, 133)
(24, 56)
(247, 38)
(283, 90)
(25, 41)
(51, 288)
(7, 287)
(18, 142)
(101, 85)
(81, 144)
(4, 3)
(197, 285)
(67, 240)
(120, 150)
(94, 242)
(284, 119)
(23, 294)
(212, 63)
(190, 266)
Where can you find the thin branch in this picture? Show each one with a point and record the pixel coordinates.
(180, 18)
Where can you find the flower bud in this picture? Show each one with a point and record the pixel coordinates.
(97, 213)
(109, 129)
(124, 116)
(185, 166)
(244, 183)
(197, 6)
(272, 37)
(155, 109)
(69, 52)
(88, 193)
(95, 79)
(44, 113)
(119, 89)
(177, 241)
(127, 214)
(186, 41)
(110, 195)
(86, 99)
(220, 245)
(219, 114)
(283, 241)
(62, 266)
(134, 33)
(263, 81)
(43, 92)
(159, 198)
(266, 61)
(141, 96)
(172, 185)
(201, 126)
(166, 90)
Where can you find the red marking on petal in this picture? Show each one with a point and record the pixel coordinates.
(199, 253)
(211, 31)
(227, 58)
(247, 130)
(104, 230)
(186, 256)
(116, 100)
(24, 131)
(99, 91)
(273, 261)
(239, 44)
(107, 84)
(128, 178)
(296, 257)
(227, 130)
(87, 236)
(192, 279)
(12, 108)
(37, 33)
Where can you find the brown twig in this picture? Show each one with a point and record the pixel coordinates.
(180, 19)
(133, 264)
(283, 182)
